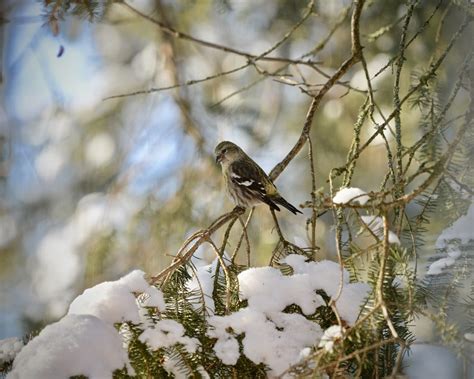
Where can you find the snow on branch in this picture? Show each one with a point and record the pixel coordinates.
(85, 342)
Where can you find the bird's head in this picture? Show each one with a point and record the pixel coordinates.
(227, 152)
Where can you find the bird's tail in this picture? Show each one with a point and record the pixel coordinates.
(286, 204)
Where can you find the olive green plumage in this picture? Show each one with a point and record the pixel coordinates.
(246, 183)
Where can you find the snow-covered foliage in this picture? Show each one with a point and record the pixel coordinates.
(203, 278)
(327, 275)
(166, 333)
(85, 342)
(287, 334)
(97, 336)
(263, 322)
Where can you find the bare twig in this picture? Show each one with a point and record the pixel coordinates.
(184, 36)
(198, 238)
(314, 211)
(178, 85)
(380, 282)
(355, 57)
(396, 99)
(434, 67)
(277, 226)
(221, 263)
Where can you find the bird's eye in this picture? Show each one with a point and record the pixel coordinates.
(224, 151)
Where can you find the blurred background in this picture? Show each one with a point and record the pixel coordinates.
(93, 187)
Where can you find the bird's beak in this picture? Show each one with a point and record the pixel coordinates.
(219, 158)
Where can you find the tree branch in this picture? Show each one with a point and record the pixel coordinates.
(355, 57)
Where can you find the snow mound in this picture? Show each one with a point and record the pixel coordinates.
(75, 345)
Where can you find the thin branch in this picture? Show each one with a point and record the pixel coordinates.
(277, 226)
(413, 90)
(251, 57)
(314, 212)
(178, 85)
(418, 32)
(396, 99)
(184, 36)
(379, 289)
(355, 57)
(242, 235)
(198, 238)
(221, 263)
(319, 47)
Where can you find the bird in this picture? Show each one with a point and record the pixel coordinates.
(246, 182)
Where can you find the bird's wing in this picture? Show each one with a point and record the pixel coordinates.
(248, 176)
(254, 179)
